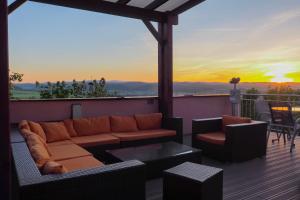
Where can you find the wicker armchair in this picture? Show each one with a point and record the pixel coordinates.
(239, 142)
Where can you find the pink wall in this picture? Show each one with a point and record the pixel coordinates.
(195, 107)
(189, 108)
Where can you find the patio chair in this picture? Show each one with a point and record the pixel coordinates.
(237, 139)
(282, 121)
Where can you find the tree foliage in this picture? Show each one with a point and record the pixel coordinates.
(14, 77)
(76, 89)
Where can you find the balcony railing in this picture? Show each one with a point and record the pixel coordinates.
(249, 103)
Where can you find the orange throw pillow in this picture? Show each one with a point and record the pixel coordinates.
(55, 131)
(149, 121)
(229, 120)
(70, 127)
(36, 128)
(123, 124)
(37, 149)
(92, 126)
(52, 167)
(24, 125)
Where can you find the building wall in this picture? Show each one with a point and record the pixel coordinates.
(189, 108)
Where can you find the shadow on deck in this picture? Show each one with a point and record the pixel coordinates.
(275, 176)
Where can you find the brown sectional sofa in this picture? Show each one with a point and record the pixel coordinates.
(78, 146)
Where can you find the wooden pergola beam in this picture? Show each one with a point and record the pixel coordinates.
(153, 31)
(16, 4)
(110, 8)
(165, 67)
(123, 1)
(155, 4)
(186, 6)
(5, 155)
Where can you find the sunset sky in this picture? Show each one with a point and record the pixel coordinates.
(257, 40)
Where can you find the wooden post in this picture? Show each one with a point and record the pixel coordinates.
(5, 154)
(165, 67)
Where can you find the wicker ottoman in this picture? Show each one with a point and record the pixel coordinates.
(192, 181)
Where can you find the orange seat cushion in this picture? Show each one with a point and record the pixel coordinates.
(92, 126)
(123, 124)
(149, 121)
(38, 149)
(67, 151)
(94, 140)
(214, 138)
(52, 167)
(229, 120)
(59, 143)
(36, 128)
(24, 125)
(55, 131)
(141, 135)
(85, 162)
(70, 127)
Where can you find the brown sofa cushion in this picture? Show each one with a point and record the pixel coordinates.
(70, 127)
(38, 149)
(52, 167)
(24, 125)
(92, 126)
(123, 124)
(94, 140)
(85, 162)
(37, 128)
(228, 120)
(63, 152)
(141, 135)
(55, 131)
(149, 121)
(214, 138)
(59, 143)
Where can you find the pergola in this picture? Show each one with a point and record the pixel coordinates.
(164, 12)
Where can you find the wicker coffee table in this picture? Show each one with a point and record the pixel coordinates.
(157, 157)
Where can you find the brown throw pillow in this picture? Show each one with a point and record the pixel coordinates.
(52, 167)
(38, 149)
(55, 131)
(149, 121)
(92, 125)
(70, 127)
(123, 124)
(24, 125)
(36, 128)
(229, 120)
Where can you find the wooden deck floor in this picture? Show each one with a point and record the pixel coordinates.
(275, 177)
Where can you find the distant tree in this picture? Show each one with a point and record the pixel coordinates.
(75, 89)
(14, 77)
(235, 81)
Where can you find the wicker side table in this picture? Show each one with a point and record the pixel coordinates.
(193, 182)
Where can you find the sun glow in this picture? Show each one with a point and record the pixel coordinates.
(279, 72)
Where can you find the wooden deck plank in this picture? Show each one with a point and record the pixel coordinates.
(274, 177)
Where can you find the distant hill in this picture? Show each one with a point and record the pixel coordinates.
(180, 88)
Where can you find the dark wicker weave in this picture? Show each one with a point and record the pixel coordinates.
(125, 180)
(193, 182)
(243, 141)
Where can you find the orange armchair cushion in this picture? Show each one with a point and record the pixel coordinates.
(52, 167)
(229, 120)
(36, 128)
(92, 126)
(214, 138)
(85, 162)
(149, 121)
(70, 127)
(24, 125)
(55, 131)
(123, 124)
